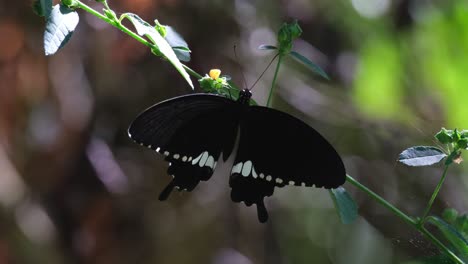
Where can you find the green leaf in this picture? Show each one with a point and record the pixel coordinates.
(452, 235)
(462, 143)
(59, 28)
(267, 47)
(110, 14)
(344, 205)
(456, 135)
(161, 45)
(464, 133)
(178, 44)
(295, 30)
(315, 68)
(286, 35)
(461, 224)
(444, 136)
(182, 54)
(42, 7)
(421, 156)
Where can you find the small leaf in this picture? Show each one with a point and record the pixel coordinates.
(456, 135)
(464, 133)
(444, 136)
(315, 68)
(110, 14)
(60, 26)
(144, 29)
(452, 235)
(42, 7)
(178, 44)
(462, 143)
(421, 156)
(182, 54)
(267, 47)
(344, 205)
(461, 223)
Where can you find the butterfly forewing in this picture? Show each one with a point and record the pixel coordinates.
(277, 149)
(191, 132)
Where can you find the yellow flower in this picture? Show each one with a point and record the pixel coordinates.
(214, 73)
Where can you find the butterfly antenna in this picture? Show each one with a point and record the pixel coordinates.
(263, 73)
(242, 72)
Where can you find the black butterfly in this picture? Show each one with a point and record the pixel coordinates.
(275, 148)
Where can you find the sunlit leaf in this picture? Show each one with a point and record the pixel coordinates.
(344, 205)
(267, 47)
(452, 235)
(42, 7)
(60, 26)
(162, 46)
(314, 67)
(178, 44)
(421, 156)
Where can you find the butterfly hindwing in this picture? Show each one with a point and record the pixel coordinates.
(191, 132)
(277, 149)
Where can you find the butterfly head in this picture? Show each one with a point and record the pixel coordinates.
(244, 96)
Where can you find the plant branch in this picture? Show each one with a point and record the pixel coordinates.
(441, 246)
(120, 26)
(434, 195)
(273, 83)
(408, 219)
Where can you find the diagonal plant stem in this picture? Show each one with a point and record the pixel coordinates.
(408, 219)
(124, 29)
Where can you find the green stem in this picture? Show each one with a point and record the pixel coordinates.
(434, 195)
(192, 72)
(132, 34)
(441, 246)
(408, 219)
(106, 5)
(382, 201)
(273, 83)
(94, 12)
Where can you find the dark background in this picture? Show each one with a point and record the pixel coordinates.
(75, 189)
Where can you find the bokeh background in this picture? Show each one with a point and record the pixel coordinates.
(75, 189)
